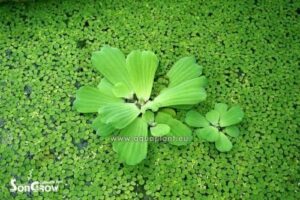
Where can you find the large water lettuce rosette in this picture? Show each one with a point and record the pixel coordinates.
(125, 109)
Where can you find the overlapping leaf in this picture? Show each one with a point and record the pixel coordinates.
(208, 133)
(180, 133)
(141, 66)
(111, 63)
(223, 144)
(90, 99)
(119, 115)
(160, 130)
(183, 70)
(188, 93)
(233, 116)
(195, 119)
(101, 128)
(131, 144)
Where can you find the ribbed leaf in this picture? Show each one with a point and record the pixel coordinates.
(102, 129)
(208, 133)
(181, 134)
(148, 116)
(187, 93)
(141, 66)
(183, 70)
(233, 116)
(131, 144)
(90, 99)
(213, 117)
(119, 115)
(223, 144)
(183, 107)
(121, 90)
(233, 131)
(112, 65)
(160, 130)
(106, 87)
(169, 111)
(221, 108)
(195, 119)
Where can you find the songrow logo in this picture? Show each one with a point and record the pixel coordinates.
(36, 186)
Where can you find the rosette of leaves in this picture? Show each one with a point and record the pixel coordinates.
(124, 104)
(217, 124)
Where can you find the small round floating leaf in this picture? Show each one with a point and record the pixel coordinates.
(90, 99)
(195, 119)
(112, 64)
(160, 130)
(233, 116)
(208, 133)
(141, 66)
(213, 117)
(131, 144)
(119, 115)
(102, 129)
(183, 70)
(223, 144)
(221, 108)
(233, 131)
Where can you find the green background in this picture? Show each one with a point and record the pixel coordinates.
(250, 54)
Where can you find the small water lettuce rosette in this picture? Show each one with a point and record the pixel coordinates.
(217, 124)
(124, 104)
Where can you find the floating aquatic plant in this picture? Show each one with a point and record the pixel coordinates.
(216, 124)
(124, 104)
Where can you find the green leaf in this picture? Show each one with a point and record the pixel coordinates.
(221, 108)
(160, 130)
(169, 111)
(180, 134)
(106, 87)
(223, 144)
(183, 107)
(183, 70)
(119, 115)
(121, 90)
(141, 66)
(213, 117)
(188, 93)
(90, 99)
(233, 131)
(148, 116)
(102, 129)
(208, 133)
(195, 119)
(233, 116)
(131, 144)
(163, 118)
(112, 65)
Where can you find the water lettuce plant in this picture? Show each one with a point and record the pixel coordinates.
(217, 124)
(124, 104)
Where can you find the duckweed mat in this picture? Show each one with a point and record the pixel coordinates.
(250, 53)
